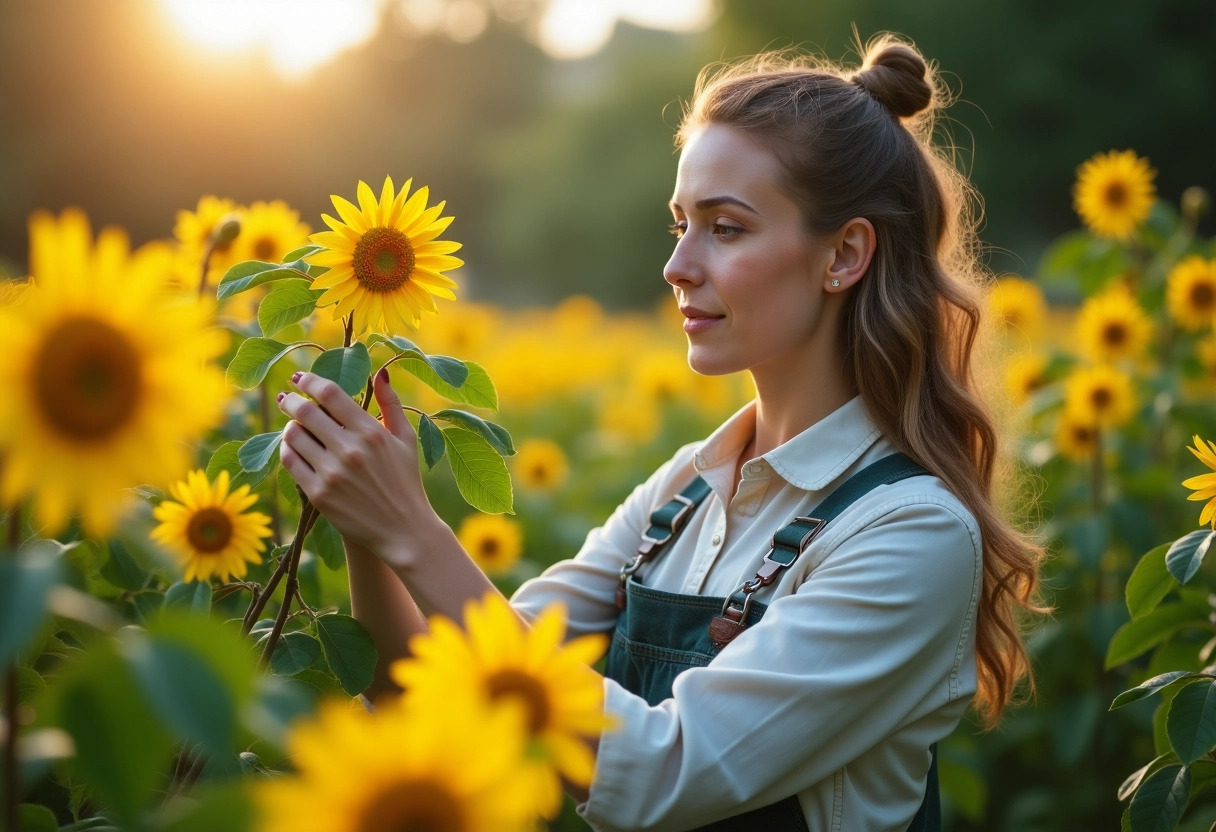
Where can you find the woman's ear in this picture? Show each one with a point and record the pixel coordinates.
(852, 249)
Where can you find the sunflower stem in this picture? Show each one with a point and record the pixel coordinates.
(275, 519)
(202, 278)
(12, 773)
(308, 516)
(1097, 471)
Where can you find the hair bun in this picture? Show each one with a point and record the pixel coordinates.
(897, 76)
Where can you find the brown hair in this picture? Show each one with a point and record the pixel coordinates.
(859, 143)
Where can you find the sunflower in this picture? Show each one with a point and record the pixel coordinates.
(209, 529)
(1112, 326)
(493, 542)
(1114, 193)
(269, 231)
(662, 376)
(540, 465)
(1204, 485)
(1100, 395)
(448, 770)
(1076, 438)
(503, 662)
(215, 220)
(1017, 306)
(106, 381)
(1024, 374)
(1190, 293)
(384, 261)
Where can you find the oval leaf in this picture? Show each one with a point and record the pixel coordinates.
(226, 458)
(1135, 637)
(451, 371)
(477, 391)
(294, 652)
(348, 366)
(253, 360)
(348, 649)
(1186, 554)
(481, 474)
(287, 303)
(252, 273)
(431, 440)
(25, 583)
(256, 452)
(194, 597)
(1159, 801)
(1134, 779)
(1148, 688)
(1150, 581)
(302, 252)
(325, 542)
(1191, 722)
(496, 435)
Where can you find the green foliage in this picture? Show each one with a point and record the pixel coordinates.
(481, 474)
(251, 273)
(253, 361)
(349, 367)
(348, 649)
(289, 302)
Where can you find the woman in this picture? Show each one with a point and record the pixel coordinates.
(781, 659)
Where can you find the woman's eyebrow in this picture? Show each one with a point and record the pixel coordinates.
(714, 201)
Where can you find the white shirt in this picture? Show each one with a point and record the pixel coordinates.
(865, 656)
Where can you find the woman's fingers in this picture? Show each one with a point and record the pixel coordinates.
(310, 415)
(333, 398)
(305, 445)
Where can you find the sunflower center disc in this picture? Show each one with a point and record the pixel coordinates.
(87, 379)
(488, 548)
(1101, 398)
(1116, 195)
(264, 249)
(383, 260)
(210, 530)
(527, 690)
(413, 806)
(1114, 335)
(1202, 295)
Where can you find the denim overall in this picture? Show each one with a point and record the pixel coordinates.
(660, 634)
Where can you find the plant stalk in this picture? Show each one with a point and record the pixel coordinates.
(308, 516)
(1097, 472)
(12, 770)
(275, 519)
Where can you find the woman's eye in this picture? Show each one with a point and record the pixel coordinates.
(720, 230)
(677, 229)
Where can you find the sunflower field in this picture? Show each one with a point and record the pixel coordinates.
(175, 630)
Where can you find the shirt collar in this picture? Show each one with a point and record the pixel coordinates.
(812, 459)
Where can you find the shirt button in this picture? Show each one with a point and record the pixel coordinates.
(717, 539)
(756, 468)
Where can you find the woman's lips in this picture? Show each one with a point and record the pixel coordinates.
(699, 323)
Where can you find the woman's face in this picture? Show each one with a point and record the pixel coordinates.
(747, 275)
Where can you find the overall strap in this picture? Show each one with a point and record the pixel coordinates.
(666, 522)
(792, 540)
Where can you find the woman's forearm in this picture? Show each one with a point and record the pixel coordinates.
(439, 573)
(382, 604)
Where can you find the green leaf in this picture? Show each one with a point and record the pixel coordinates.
(122, 569)
(1159, 801)
(253, 360)
(287, 303)
(1134, 779)
(450, 370)
(348, 366)
(228, 806)
(348, 649)
(287, 487)
(294, 652)
(252, 273)
(25, 582)
(1192, 720)
(35, 818)
(227, 458)
(122, 750)
(1186, 554)
(193, 597)
(256, 452)
(184, 691)
(477, 390)
(431, 440)
(1135, 637)
(326, 543)
(302, 252)
(218, 643)
(1148, 688)
(481, 474)
(496, 435)
(1150, 581)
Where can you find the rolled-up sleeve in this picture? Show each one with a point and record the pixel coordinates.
(879, 636)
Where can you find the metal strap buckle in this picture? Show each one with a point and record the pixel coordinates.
(729, 612)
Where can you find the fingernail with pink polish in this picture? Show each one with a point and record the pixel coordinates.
(295, 378)
(382, 376)
(279, 398)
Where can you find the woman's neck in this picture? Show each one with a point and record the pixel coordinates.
(793, 396)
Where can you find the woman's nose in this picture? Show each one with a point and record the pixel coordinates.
(681, 268)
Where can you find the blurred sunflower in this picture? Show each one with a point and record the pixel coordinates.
(1111, 326)
(270, 230)
(503, 662)
(1190, 293)
(215, 220)
(1114, 193)
(1017, 306)
(384, 261)
(1204, 485)
(1024, 374)
(449, 770)
(661, 376)
(1076, 438)
(493, 542)
(107, 382)
(209, 529)
(540, 465)
(1205, 352)
(1100, 395)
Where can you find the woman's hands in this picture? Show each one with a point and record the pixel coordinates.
(364, 477)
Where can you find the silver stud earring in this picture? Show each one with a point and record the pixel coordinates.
(835, 282)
